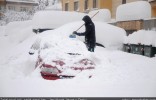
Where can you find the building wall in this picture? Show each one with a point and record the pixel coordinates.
(100, 4)
(154, 12)
(153, 4)
(2, 2)
(2, 7)
(108, 4)
(17, 6)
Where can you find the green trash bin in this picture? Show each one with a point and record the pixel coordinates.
(137, 49)
(126, 48)
(149, 51)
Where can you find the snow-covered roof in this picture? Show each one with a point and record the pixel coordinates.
(133, 11)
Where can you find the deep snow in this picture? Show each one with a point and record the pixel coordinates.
(117, 74)
(142, 37)
(133, 11)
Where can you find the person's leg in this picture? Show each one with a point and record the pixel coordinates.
(91, 49)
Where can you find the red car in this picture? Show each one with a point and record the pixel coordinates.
(63, 59)
(51, 72)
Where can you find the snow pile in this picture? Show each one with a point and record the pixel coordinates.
(108, 35)
(117, 74)
(2, 30)
(55, 19)
(104, 15)
(18, 31)
(133, 11)
(143, 37)
(56, 47)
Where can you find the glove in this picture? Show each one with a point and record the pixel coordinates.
(74, 32)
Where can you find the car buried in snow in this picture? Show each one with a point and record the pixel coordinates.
(61, 57)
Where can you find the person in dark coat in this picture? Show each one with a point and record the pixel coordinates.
(90, 38)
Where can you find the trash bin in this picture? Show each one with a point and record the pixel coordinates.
(149, 51)
(126, 48)
(137, 49)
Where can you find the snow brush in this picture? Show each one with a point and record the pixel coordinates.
(73, 35)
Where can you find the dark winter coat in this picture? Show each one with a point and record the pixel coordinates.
(89, 34)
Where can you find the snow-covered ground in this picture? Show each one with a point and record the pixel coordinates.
(117, 73)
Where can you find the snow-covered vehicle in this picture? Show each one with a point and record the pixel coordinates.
(61, 57)
(53, 19)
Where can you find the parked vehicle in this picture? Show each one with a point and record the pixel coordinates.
(60, 57)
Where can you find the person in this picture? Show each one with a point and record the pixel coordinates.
(90, 38)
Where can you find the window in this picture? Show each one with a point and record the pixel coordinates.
(123, 1)
(66, 6)
(94, 3)
(11, 7)
(23, 9)
(76, 6)
(86, 5)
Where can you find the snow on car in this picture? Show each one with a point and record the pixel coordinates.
(61, 57)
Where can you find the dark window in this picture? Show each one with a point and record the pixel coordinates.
(66, 6)
(11, 7)
(86, 5)
(23, 9)
(94, 3)
(76, 6)
(123, 1)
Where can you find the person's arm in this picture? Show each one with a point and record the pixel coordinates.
(83, 33)
(79, 34)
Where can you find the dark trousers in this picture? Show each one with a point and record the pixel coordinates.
(91, 49)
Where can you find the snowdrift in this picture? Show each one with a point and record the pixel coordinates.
(104, 15)
(133, 11)
(19, 31)
(118, 74)
(143, 37)
(55, 19)
(108, 35)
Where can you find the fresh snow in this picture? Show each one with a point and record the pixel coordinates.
(55, 19)
(133, 11)
(104, 15)
(142, 36)
(117, 74)
(108, 35)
